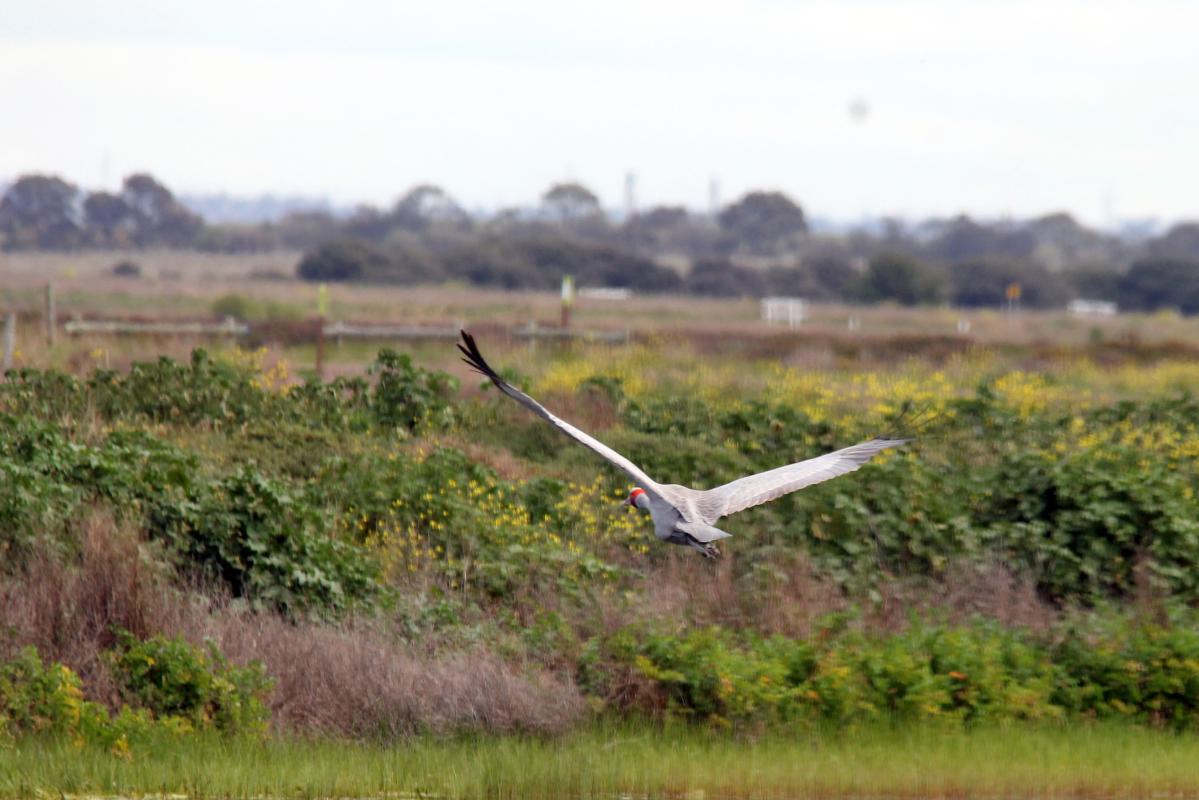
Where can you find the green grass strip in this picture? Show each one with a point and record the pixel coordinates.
(1067, 761)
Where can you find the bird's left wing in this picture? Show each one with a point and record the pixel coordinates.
(754, 490)
(473, 357)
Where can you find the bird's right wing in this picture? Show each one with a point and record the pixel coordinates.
(475, 359)
(754, 490)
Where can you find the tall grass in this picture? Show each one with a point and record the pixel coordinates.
(1092, 761)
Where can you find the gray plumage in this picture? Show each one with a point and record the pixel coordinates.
(688, 516)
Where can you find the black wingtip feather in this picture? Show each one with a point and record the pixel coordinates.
(474, 358)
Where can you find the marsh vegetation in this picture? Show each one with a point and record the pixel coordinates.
(221, 559)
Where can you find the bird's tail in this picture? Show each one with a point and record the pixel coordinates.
(704, 534)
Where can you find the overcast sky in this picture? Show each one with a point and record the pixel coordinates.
(989, 108)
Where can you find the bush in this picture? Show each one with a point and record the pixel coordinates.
(126, 269)
(720, 277)
(254, 537)
(968, 674)
(902, 279)
(407, 396)
(233, 305)
(1128, 671)
(1141, 672)
(540, 263)
(1153, 283)
(172, 678)
(341, 260)
(984, 281)
(37, 698)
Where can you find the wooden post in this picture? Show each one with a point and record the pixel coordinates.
(568, 298)
(10, 338)
(51, 315)
(322, 311)
(320, 348)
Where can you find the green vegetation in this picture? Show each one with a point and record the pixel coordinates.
(170, 686)
(205, 551)
(981, 674)
(1045, 761)
(172, 678)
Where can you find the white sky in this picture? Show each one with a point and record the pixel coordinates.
(988, 107)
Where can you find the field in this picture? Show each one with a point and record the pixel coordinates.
(222, 560)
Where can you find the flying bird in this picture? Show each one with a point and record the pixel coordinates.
(683, 515)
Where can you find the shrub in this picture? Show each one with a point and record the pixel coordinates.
(254, 537)
(406, 396)
(1143, 672)
(36, 698)
(341, 260)
(172, 678)
(233, 305)
(1132, 671)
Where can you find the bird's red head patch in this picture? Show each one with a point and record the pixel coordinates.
(633, 495)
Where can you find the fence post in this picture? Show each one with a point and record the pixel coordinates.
(320, 348)
(322, 310)
(10, 338)
(51, 315)
(568, 299)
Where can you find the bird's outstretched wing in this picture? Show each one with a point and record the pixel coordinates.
(473, 357)
(754, 490)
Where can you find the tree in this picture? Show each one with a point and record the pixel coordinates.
(720, 277)
(906, 280)
(963, 238)
(409, 261)
(1154, 283)
(834, 275)
(161, 219)
(109, 219)
(1093, 282)
(1062, 242)
(341, 260)
(766, 223)
(40, 211)
(983, 282)
(1181, 241)
(307, 229)
(368, 222)
(541, 261)
(657, 229)
(426, 206)
(570, 202)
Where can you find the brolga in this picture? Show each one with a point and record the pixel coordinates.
(683, 515)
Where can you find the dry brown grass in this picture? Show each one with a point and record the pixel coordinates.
(784, 594)
(358, 680)
(964, 592)
(70, 607)
(182, 283)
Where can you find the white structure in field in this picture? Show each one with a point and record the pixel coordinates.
(784, 309)
(606, 293)
(1092, 308)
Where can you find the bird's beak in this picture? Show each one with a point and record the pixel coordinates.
(623, 505)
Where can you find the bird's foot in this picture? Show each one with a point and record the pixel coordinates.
(710, 551)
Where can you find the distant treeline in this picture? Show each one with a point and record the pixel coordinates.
(758, 245)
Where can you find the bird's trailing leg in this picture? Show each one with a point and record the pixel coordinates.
(708, 550)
